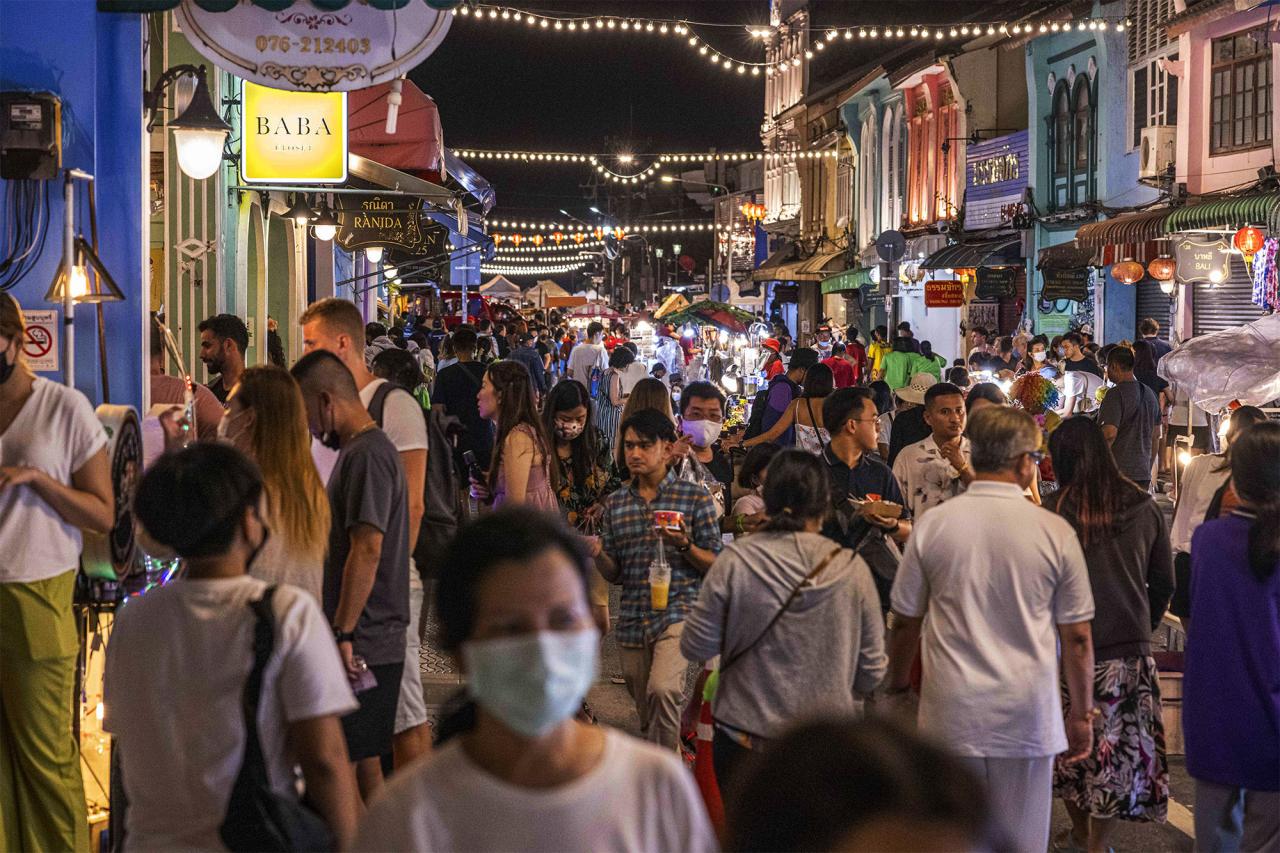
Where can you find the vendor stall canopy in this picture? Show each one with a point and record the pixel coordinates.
(269, 5)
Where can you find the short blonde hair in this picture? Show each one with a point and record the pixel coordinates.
(340, 315)
(12, 324)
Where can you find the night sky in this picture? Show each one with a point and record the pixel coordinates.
(500, 85)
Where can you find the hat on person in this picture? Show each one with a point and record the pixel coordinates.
(771, 343)
(914, 392)
(802, 359)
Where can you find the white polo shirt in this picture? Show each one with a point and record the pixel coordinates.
(993, 575)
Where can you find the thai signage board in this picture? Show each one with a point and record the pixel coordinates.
(308, 48)
(1202, 260)
(940, 293)
(293, 137)
(392, 222)
(996, 176)
(996, 282)
(1065, 284)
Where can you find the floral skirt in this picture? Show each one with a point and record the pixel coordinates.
(1127, 775)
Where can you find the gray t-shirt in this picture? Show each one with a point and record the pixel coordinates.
(1132, 409)
(367, 487)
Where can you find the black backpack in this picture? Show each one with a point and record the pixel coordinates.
(756, 425)
(442, 513)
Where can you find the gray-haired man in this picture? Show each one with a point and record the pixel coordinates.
(988, 584)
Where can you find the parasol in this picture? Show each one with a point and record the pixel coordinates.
(673, 303)
(718, 314)
(1241, 363)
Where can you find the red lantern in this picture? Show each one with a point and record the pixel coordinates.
(515, 239)
(599, 232)
(497, 239)
(1128, 271)
(537, 239)
(558, 237)
(1249, 240)
(579, 237)
(1162, 269)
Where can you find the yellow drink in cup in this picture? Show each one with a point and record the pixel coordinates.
(659, 584)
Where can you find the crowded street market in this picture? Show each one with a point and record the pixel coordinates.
(659, 425)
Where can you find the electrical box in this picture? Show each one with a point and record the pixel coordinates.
(30, 136)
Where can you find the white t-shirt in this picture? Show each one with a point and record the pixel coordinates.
(1082, 385)
(402, 421)
(584, 357)
(634, 372)
(993, 575)
(638, 798)
(177, 662)
(57, 432)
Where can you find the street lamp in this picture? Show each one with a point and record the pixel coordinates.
(325, 225)
(672, 179)
(199, 133)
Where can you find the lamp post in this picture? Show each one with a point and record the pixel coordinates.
(199, 133)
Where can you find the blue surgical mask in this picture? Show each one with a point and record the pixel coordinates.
(532, 682)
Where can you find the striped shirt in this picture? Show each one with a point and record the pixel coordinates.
(629, 539)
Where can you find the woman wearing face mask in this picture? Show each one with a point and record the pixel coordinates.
(1037, 357)
(609, 399)
(586, 473)
(267, 421)
(180, 655)
(54, 483)
(523, 774)
(521, 470)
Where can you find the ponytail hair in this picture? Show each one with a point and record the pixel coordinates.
(796, 489)
(1255, 475)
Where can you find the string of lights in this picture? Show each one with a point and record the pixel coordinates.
(639, 227)
(502, 251)
(571, 257)
(611, 175)
(624, 159)
(549, 269)
(820, 37)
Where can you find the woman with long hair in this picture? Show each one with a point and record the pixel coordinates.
(1230, 701)
(586, 472)
(771, 673)
(519, 772)
(1126, 549)
(930, 361)
(521, 471)
(267, 420)
(609, 397)
(648, 394)
(885, 413)
(804, 412)
(1204, 493)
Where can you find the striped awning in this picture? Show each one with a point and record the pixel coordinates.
(989, 253)
(269, 5)
(1259, 209)
(1066, 256)
(848, 281)
(1131, 228)
(824, 264)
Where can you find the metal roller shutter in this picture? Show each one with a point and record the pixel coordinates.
(1153, 303)
(1218, 307)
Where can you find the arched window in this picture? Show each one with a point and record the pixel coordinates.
(1061, 129)
(1082, 119)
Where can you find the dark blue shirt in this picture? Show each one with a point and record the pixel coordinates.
(869, 477)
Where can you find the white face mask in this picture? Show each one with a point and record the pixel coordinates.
(534, 682)
(1037, 356)
(701, 433)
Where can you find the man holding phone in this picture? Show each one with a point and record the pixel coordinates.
(686, 527)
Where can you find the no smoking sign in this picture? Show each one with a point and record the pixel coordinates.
(41, 343)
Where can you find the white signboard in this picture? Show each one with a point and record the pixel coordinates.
(309, 49)
(41, 343)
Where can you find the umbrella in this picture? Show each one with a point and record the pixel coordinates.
(718, 314)
(1241, 363)
(674, 302)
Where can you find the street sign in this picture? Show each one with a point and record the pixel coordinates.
(392, 222)
(41, 343)
(996, 282)
(891, 246)
(939, 293)
(1202, 261)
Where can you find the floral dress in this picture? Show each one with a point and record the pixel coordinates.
(576, 498)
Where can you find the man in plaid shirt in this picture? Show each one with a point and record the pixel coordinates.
(648, 639)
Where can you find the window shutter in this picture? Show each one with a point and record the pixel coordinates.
(1172, 92)
(1139, 102)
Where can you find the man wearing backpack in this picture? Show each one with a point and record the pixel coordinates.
(770, 403)
(335, 325)
(588, 357)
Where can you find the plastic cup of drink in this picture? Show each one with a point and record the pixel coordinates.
(659, 585)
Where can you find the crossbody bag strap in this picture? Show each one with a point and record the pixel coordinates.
(254, 766)
(725, 664)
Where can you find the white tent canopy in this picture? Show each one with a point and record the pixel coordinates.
(545, 289)
(500, 286)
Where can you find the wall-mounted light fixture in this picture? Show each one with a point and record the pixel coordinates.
(199, 133)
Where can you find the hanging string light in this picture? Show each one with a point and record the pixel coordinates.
(547, 269)
(566, 258)
(638, 228)
(568, 158)
(616, 177)
(576, 241)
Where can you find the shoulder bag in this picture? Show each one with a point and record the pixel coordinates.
(258, 818)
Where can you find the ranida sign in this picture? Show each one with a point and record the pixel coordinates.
(392, 222)
(293, 137)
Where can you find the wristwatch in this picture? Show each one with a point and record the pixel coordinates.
(341, 636)
(685, 548)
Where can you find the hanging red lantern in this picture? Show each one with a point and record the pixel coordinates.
(537, 239)
(1249, 240)
(579, 237)
(558, 237)
(1162, 269)
(1128, 271)
(515, 239)
(497, 239)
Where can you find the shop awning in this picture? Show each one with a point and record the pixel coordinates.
(417, 145)
(1067, 256)
(1131, 228)
(780, 258)
(393, 179)
(1261, 209)
(849, 281)
(824, 264)
(989, 253)
(471, 181)
(269, 5)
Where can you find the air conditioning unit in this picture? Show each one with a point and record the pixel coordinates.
(1156, 150)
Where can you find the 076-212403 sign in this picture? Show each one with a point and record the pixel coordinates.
(308, 44)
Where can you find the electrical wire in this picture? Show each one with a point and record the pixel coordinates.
(26, 230)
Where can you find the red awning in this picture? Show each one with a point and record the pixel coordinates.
(417, 146)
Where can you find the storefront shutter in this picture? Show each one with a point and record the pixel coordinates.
(1153, 303)
(1214, 308)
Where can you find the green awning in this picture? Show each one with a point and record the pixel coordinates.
(847, 281)
(1262, 210)
(270, 5)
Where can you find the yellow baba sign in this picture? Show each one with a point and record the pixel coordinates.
(293, 137)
